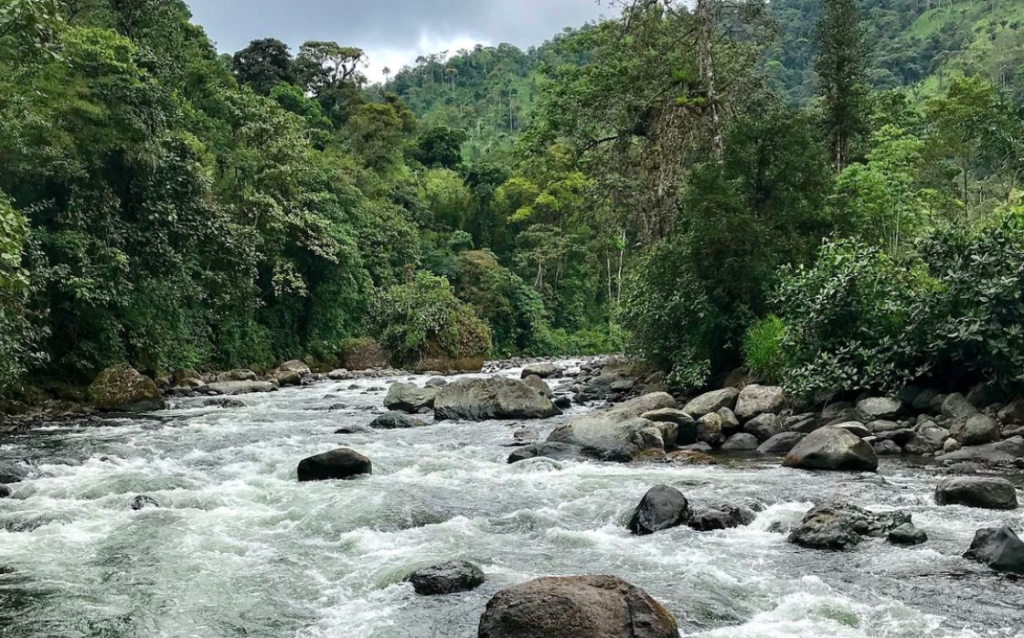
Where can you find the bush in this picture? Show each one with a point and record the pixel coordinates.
(423, 319)
(763, 349)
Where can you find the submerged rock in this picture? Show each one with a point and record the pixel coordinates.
(142, 502)
(717, 517)
(123, 389)
(576, 607)
(408, 397)
(832, 449)
(396, 421)
(240, 387)
(907, 534)
(342, 463)
(840, 526)
(494, 398)
(5, 492)
(663, 507)
(977, 491)
(554, 451)
(447, 578)
(1001, 549)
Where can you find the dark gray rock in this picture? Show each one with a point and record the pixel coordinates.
(730, 424)
(395, 421)
(781, 444)
(12, 473)
(436, 382)
(840, 526)
(885, 447)
(764, 426)
(408, 397)
(832, 449)
(804, 424)
(494, 398)
(563, 402)
(342, 463)
(983, 395)
(907, 534)
(956, 406)
(686, 428)
(723, 516)
(142, 502)
(712, 402)
(5, 492)
(554, 451)
(354, 429)
(576, 607)
(837, 410)
(742, 442)
(663, 507)
(447, 578)
(923, 401)
(1001, 549)
(1001, 454)
(977, 491)
(1012, 414)
(977, 429)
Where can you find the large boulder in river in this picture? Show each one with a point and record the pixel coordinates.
(619, 434)
(840, 526)
(576, 607)
(342, 463)
(755, 400)
(447, 578)
(122, 389)
(832, 449)
(985, 492)
(494, 398)
(661, 508)
(712, 402)
(977, 429)
(409, 397)
(542, 370)
(1001, 549)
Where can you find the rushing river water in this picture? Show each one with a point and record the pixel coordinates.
(239, 548)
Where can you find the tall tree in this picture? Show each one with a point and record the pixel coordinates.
(840, 64)
(263, 65)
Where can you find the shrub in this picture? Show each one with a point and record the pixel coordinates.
(763, 349)
(423, 318)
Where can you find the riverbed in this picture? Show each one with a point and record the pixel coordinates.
(237, 547)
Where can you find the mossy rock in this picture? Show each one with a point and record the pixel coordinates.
(450, 364)
(364, 354)
(123, 389)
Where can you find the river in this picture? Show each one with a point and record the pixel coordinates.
(239, 548)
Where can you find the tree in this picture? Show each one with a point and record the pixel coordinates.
(840, 64)
(440, 146)
(263, 65)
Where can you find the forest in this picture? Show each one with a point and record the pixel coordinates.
(826, 192)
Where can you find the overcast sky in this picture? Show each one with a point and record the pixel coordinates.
(392, 32)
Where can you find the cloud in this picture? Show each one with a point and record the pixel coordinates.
(392, 32)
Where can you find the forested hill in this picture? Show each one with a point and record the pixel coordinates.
(918, 44)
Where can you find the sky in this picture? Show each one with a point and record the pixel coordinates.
(393, 32)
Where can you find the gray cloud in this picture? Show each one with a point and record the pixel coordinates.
(390, 30)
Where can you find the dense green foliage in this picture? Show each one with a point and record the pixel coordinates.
(824, 190)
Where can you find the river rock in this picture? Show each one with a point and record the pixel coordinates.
(447, 578)
(885, 447)
(716, 517)
(339, 374)
(712, 402)
(983, 395)
(661, 508)
(764, 426)
(186, 378)
(240, 374)
(142, 501)
(342, 463)
(730, 424)
(618, 434)
(542, 370)
(686, 428)
(12, 473)
(408, 397)
(436, 382)
(709, 429)
(755, 400)
(494, 398)
(840, 526)
(123, 389)
(907, 534)
(396, 421)
(1003, 453)
(554, 451)
(5, 492)
(698, 456)
(832, 449)
(977, 429)
(977, 491)
(538, 384)
(1001, 549)
(240, 387)
(1012, 414)
(880, 408)
(956, 406)
(742, 442)
(781, 444)
(576, 607)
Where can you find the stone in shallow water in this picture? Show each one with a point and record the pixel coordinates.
(712, 402)
(723, 516)
(447, 578)
(576, 607)
(5, 492)
(553, 451)
(342, 463)
(742, 442)
(142, 502)
(396, 421)
(977, 491)
(907, 534)
(661, 508)
(1001, 549)
(834, 449)
(840, 526)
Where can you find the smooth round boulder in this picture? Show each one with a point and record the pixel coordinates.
(982, 492)
(123, 389)
(907, 535)
(342, 463)
(781, 444)
(576, 607)
(661, 508)
(977, 429)
(539, 385)
(764, 426)
(876, 408)
(1001, 549)
(494, 398)
(885, 447)
(447, 578)
(5, 492)
(718, 517)
(709, 429)
(396, 421)
(408, 397)
(755, 400)
(742, 442)
(956, 406)
(712, 402)
(542, 370)
(833, 449)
